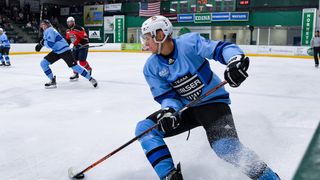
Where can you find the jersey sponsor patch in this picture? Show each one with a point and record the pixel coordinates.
(164, 72)
(188, 86)
(73, 38)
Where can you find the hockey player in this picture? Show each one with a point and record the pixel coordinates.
(79, 42)
(4, 49)
(60, 49)
(178, 72)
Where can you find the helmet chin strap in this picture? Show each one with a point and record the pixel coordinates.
(159, 48)
(159, 43)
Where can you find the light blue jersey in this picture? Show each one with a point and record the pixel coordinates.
(186, 75)
(181, 77)
(53, 40)
(4, 41)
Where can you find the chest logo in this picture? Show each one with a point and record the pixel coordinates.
(188, 86)
(164, 73)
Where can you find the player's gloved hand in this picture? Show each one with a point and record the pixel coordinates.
(236, 71)
(38, 47)
(167, 120)
(71, 46)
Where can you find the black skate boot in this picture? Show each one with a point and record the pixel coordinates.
(74, 77)
(316, 65)
(93, 82)
(175, 174)
(2, 63)
(7, 64)
(52, 84)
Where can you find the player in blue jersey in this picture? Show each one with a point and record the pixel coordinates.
(178, 72)
(4, 49)
(60, 49)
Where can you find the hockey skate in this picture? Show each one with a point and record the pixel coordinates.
(52, 84)
(74, 77)
(2, 63)
(316, 65)
(175, 174)
(93, 82)
(7, 64)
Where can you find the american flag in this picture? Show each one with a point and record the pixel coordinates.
(149, 9)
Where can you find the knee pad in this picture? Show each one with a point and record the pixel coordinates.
(227, 148)
(144, 125)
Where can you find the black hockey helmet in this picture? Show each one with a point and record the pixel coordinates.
(46, 21)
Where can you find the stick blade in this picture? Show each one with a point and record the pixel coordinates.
(73, 174)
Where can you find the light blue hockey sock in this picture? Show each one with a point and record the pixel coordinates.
(155, 148)
(81, 71)
(46, 69)
(232, 151)
(7, 59)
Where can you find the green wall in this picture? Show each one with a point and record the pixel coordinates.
(261, 18)
(130, 8)
(284, 18)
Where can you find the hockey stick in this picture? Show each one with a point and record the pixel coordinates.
(80, 175)
(94, 46)
(105, 42)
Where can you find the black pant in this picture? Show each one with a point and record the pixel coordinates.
(80, 54)
(316, 52)
(5, 50)
(67, 56)
(216, 118)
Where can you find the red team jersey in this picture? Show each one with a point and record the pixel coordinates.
(77, 35)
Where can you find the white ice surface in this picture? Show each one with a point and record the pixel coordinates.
(44, 132)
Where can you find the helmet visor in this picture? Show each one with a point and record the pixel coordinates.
(144, 40)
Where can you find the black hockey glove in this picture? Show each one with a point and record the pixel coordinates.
(167, 120)
(236, 71)
(39, 45)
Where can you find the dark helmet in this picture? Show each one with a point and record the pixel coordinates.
(46, 21)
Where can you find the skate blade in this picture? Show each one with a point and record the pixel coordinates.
(74, 80)
(73, 174)
(50, 87)
(94, 83)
